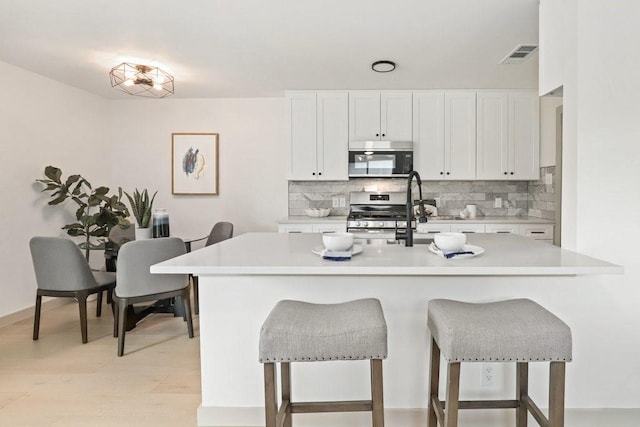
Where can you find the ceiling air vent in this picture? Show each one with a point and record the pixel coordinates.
(519, 54)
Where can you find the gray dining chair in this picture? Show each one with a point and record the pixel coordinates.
(136, 284)
(62, 271)
(221, 231)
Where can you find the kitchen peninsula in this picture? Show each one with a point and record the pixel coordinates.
(241, 279)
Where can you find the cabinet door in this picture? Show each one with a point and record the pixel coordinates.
(364, 115)
(430, 228)
(460, 135)
(333, 136)
(428, 134)
(502, 228)
(395, 116)
(330, 228)
(301, 113)
(295, 228)
(524, 136)
(493, 136)
(467, 228)
(537, 231)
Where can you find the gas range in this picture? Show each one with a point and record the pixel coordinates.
(377, 215)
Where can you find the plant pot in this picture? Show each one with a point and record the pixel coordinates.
(143, 233)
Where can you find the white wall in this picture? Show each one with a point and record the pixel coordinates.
(252, 161)
(42, 123)
(601, 168)
(128, 144)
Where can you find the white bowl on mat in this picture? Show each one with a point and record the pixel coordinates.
(450, 242)
(337, 241)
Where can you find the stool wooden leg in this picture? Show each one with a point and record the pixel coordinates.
(453, 391)
(285, 380)
(556, 394)
(270, 401)
(434, 381)
(522, 389)
(377, 399)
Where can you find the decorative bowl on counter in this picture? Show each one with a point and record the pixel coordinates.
(337, 241)
(450, 242)
(318, 212)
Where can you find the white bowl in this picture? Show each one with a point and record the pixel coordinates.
(337, 241)
(318, 212)
(450, 242)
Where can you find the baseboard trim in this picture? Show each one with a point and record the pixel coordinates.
(29, 311)
(400, 417)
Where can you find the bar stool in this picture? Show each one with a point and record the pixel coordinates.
(297, 331)
(519, 331)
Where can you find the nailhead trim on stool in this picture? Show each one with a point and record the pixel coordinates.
(297, 331)
(517, 330)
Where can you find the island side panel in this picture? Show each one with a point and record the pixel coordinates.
(233, 309)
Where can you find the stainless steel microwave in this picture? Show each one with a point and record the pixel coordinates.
(380, 158)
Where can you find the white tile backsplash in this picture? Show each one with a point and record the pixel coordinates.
(519, 198)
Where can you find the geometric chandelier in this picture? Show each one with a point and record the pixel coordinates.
(141, 80)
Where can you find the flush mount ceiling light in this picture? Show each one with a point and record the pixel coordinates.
(383, 66)
(141, 80)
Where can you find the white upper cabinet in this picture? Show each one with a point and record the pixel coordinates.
(428, 134)
(444, 134)
(380, 115)
(459, 135)
(317, 133)
(508, 136)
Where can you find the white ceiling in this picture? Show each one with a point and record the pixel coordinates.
(255, 48)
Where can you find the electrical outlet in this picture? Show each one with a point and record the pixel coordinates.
(342, 202)
(488, 374)
(497, 203)
(548, 179)
(335, 202)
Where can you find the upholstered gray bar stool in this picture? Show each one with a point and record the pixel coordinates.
(298, 331)
(518, 331)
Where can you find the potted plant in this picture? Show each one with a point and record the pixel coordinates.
(97, 211)
(141, 206)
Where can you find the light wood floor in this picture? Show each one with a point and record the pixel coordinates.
(58, 381)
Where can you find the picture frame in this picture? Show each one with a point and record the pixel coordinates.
(194, 163)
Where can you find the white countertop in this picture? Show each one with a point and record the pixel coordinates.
(302, 219)
(290, 254)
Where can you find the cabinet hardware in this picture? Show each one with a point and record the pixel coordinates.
(537, 232)
(505, 173)
(377, 134)
(319, 173)
(448, 173)
(511, 173)
(441, 173)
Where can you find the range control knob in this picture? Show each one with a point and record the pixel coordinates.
(357, 223)
(381, 224)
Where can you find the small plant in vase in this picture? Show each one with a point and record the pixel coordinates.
(141, 208)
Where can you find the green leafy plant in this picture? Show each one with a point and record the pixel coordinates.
(97, 211)
(141, 206)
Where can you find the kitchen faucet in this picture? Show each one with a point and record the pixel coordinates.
(407, 236)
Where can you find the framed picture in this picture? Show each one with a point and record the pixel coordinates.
(194, 163)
